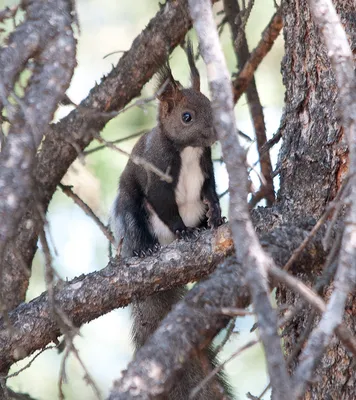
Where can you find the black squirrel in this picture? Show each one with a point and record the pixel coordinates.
(149, 212)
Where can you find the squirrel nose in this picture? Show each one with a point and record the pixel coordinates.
(209, 132)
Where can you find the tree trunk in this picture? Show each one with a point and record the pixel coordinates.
(313, 162)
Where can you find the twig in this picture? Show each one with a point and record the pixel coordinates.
(269, 36)
(8, 12)
(136, 159)
(67, 328)
(229, 332)
(110, 115)
(62, 373)
(218, 368)
(243, 16)
(28, 365)
(134, 135)
(88, 211)
(113, 52)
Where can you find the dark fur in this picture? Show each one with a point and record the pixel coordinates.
(142, 191)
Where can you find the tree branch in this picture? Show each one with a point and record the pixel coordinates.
(269, 36)
(90, 296)
(152, 372)
(48, 38)
(74, 132)
(250, 254)
(233, 15)
(342, 62)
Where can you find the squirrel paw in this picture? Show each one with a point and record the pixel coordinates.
(188, 234)
(216, 222)
(147, 252)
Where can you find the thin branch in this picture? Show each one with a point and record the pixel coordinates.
(88, 211)
(28, 365)
(229, 332)
(8, 12)
(137, 160)
(251, 255)
(121, 140)
(269, 36)
(63, 322)
(242, 16)
(219, 368)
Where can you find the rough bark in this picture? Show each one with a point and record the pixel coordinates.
(73, 133)
(90, 296)
(47, 37)
(313, 162)
(250, 253)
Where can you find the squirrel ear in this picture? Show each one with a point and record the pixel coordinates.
(168, 89)
(194, 73)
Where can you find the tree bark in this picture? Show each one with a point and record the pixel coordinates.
(313, 162)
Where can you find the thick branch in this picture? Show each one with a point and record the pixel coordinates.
(73, 133)
(250, 254)
(341, 57)
(47, 36)
(90, 296)
(153, 370)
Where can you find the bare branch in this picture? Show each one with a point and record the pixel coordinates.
(137, 160)
(8, 12)
(218, 368)
(250, 254)
(139, 381)
(55, 61)
(132, 136)
(233, 12)
(269, 36)
(88, 211)
(89, 296)
(73, 133)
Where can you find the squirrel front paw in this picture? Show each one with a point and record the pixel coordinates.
(188, 233)
(149, 251)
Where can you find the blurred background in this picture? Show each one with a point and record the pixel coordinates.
(104, 345)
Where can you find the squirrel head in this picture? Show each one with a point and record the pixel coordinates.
(185, 115)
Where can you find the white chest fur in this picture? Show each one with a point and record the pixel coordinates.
(188, 195)
(188, 190)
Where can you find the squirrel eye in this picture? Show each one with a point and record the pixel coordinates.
(187, 117)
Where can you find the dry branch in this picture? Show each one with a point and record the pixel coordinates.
(249, 254)
(269, 36)
(88, 211)
(233, 15)
(225, 287)
(47, 37)
(90, 296)
(74, 132)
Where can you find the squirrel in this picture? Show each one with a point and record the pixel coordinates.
(149, 212)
